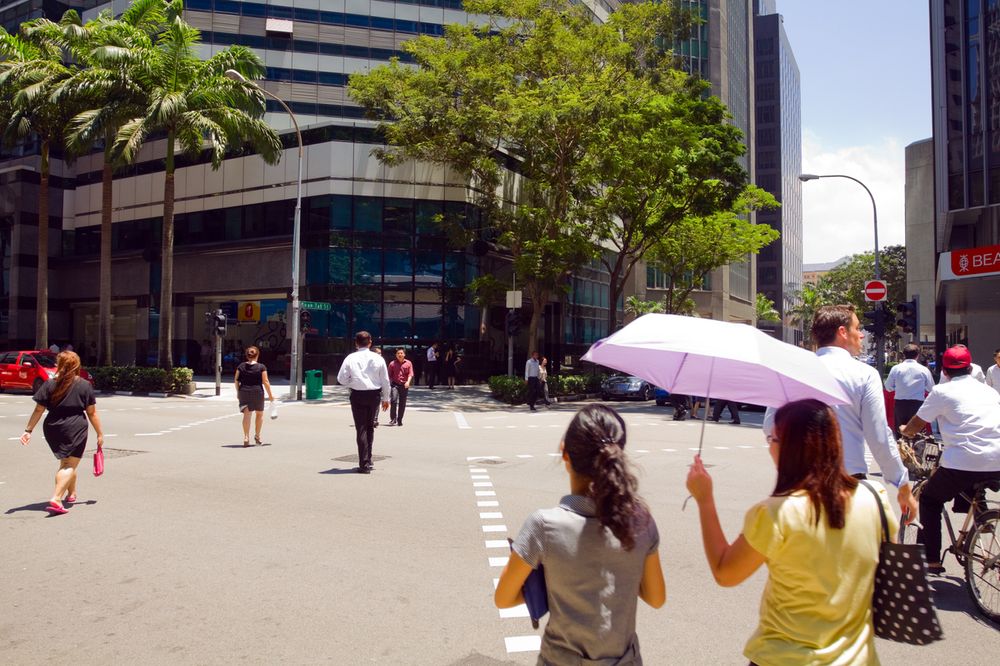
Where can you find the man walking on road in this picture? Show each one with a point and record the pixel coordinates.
(365, 374)
(532, 376)
(911, 382)
(400, 377)
(838, 332)
(431, 369)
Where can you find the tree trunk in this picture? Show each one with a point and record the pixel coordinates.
(104, 308)
(166, 359)
(42, 295)
(483, 311)
(539, 298)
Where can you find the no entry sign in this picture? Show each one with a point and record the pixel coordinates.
(876, 290)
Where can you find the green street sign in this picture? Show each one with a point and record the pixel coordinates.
(315, 305)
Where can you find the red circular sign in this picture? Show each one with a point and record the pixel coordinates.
(876, 290)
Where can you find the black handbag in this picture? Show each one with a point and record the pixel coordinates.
(902, 608)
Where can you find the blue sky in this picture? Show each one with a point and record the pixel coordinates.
(865, 76)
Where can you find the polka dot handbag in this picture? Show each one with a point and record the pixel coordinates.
(902, 608)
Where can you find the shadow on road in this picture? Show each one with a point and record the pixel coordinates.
(951, 594)
(340, 470)
(240, 446)
(42, 507)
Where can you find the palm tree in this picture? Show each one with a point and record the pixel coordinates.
(809, 300)
(191, 101)
(107, 85)
(765, 309)
(637, 307)
(31, 68)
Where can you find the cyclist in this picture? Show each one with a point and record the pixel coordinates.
(968, 415)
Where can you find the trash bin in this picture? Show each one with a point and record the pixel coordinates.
(314, 384)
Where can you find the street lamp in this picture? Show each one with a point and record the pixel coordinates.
(880, 338)
(295, 367)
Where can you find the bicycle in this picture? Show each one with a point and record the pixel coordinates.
(976, 547)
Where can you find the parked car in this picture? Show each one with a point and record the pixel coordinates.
(662, 396)
(626, 386)
(29, 369)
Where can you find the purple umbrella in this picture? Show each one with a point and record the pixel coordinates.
(716, 359)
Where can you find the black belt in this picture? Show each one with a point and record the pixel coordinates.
(366, 390)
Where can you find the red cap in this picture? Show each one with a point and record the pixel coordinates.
(957, 357)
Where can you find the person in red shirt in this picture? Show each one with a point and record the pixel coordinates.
(400, 378)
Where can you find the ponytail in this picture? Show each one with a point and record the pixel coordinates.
(68, 369)
(595, 445)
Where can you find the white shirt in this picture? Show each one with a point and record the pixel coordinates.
(365, 371)
(532, 368)
(910, 380)
(968, 415)
(864, 419)
(432, 354)
(993, 377)
(977, 374)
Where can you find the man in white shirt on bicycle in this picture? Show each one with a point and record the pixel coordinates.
(968, 416)
(910, 382)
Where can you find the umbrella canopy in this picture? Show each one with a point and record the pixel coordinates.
(717, 359)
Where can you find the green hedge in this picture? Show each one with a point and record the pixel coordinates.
(511, 390)
(514, 391)
(144, 380)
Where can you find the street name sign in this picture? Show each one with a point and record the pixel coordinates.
(315, 305)
(876, 291)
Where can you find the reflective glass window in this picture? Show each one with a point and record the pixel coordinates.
(367, 214)
(367, 266)
(397, 320)
(368, 317)
(398, 267)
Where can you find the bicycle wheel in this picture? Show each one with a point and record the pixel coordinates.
(982, 564)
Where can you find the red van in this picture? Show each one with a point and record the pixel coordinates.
(29, 369)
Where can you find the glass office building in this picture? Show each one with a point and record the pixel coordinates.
(374, 256)
(778, 149)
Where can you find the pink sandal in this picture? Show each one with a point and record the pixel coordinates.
(71, 499)
(55, 509)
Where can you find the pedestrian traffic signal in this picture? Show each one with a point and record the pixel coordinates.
(876, 320)
(305, 319)
(220, 321)
(909, 317)
(513, 323)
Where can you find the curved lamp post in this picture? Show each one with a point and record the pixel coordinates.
(295, 367)
(879, 339)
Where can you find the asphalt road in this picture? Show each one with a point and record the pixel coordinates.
(193, 550)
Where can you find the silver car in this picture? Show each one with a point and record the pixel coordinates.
(625, 387)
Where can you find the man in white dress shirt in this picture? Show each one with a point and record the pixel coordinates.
(993, 373)
(968, 415)
(366, 375)
(838, 332)
(910, 381)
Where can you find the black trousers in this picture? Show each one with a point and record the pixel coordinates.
(734, 410)
(534, 385)
(903, 411)
(364, 409)
(944, 484)
(397, 403)
(431, 373)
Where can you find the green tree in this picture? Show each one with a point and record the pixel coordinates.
(524, 87)
(808, 300)
(846, 283)
(637, 307)
(190, 101)
(486, 290)
(107, 87)
(765, 309)
(695, 246)
(32, 66)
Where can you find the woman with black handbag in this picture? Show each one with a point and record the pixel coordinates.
(819, 534)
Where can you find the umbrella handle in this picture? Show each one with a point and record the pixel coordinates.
(704, 418)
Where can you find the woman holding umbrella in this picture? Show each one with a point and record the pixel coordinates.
(599, 548)
(819, 535)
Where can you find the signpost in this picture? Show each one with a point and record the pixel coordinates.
(513, 303)
(876, 291)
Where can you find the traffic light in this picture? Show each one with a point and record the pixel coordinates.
(305, 319)
(875, 321)
(513, 323)
(220, 321)
(909, 317)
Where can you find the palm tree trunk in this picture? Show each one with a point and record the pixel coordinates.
(166, 359)
(42, 295)
(104, 309)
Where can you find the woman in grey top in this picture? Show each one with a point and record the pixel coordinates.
(598, 547)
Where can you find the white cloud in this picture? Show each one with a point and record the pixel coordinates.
(836, 213)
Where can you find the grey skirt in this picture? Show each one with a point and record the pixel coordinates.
(251, 398)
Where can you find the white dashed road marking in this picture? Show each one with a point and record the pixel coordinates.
(461, 422)
(523, 643)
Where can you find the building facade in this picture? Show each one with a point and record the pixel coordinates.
(374, 256)
(721, 52)
(965, 80)
(778, 149)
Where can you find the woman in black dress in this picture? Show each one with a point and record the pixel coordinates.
(251, 380)
(70, 401)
